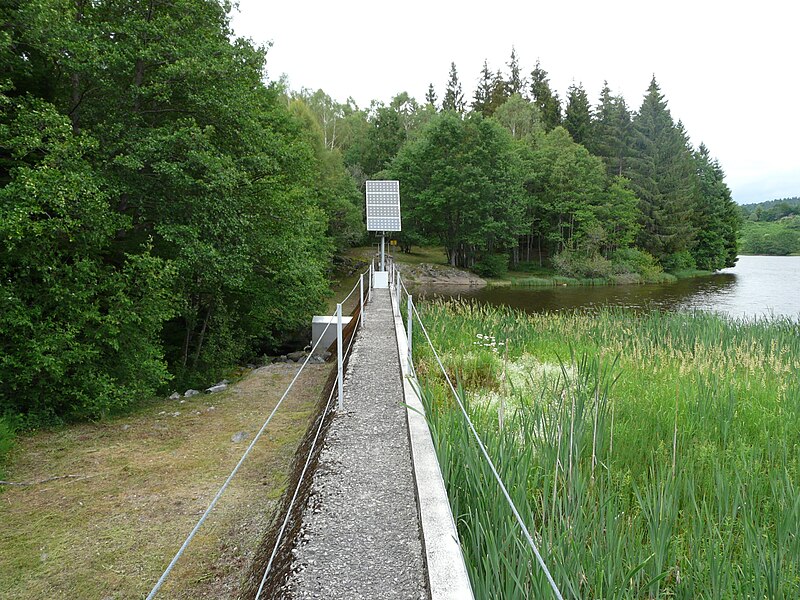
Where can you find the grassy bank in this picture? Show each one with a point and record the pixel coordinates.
(654, 456)
(137, 486)
(530, 274)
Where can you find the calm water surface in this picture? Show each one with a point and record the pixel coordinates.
(756, 286)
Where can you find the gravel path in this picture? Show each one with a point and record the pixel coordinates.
(360, 535)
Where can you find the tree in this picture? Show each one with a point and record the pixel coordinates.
(328, 113)
(519, 116)
(716, 217)
(498, 94)
(565, 192)
(544, 98)
(334, 190)
(461, 189)
(611, 133)
(386, 129)
(577, 118)
(663, 177)
(515, 83)
(483, 91)
(430, 96)
(79, 332)
(453, 95)
(212, 185)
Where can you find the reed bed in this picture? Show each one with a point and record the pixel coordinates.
(654, 455)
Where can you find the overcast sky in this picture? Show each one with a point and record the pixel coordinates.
(729, 70)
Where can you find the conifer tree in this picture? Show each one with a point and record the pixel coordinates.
(611, 133)
(577, 118)
(483, 92)
(498, 95)
(716, 216)
(453, 95)
(515, 84)
(663, 178)
(545, 99)
(430, 96)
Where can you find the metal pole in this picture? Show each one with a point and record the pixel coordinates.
(397, 289)
(382, 253)
(340, 353)
(410, 311)
(361, 299)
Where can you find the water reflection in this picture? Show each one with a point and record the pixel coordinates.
(757, 286)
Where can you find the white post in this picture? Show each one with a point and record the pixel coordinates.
(340, 353)
(382, 251)
(361, 299)
(397, 288)
(410, 319)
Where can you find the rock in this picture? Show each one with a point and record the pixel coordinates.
(296, 356)
(216, 388)
(190, 393)
(316, 360)
(126, 427)
(239, 436)
(282, 359)
(175, 396)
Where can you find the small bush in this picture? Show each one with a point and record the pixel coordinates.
(492, 265)
(679, 261)
(627, 261)
(579, 266)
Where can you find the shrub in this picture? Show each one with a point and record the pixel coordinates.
(574, 264)
(627, 261)
(492, 265)
(679, 261)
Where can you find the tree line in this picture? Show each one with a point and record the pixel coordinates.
(515, 174)
(164, 214)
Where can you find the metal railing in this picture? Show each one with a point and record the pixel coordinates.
(339, 387)
(399, 287)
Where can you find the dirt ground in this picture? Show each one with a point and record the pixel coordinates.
(138, 485)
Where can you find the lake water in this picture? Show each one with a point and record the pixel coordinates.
(756, 286)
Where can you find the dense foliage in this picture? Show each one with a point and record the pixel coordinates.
(588, 180)
(163, 213)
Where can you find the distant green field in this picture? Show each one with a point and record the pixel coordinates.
(777, 238)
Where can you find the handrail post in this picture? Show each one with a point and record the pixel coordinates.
(410, 320)
(397, 289)
(340, 353)
(361, 300)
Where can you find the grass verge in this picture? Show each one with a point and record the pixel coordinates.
(141, 483)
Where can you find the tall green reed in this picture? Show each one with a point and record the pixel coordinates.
(659, 459)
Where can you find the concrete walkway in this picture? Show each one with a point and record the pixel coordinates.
(361, 533)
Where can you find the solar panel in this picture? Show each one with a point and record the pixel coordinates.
(383, 206)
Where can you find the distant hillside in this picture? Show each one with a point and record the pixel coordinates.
(771, 210)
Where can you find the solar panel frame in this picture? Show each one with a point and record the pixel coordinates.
(383, 205)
